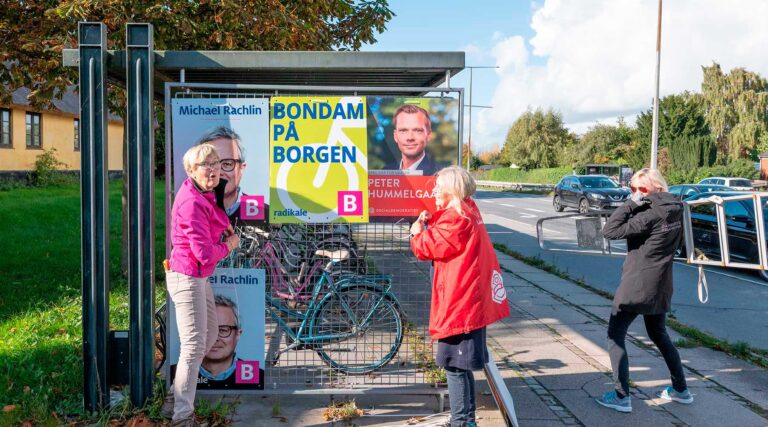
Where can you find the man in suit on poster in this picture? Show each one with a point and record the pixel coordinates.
(412, 132)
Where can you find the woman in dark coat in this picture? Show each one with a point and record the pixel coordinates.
(651, 222)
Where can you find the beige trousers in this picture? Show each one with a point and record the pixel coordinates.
(198, 331)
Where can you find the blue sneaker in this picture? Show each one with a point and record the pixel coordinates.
(669, 393)
(612, 400)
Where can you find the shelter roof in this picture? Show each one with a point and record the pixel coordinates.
(359, 69)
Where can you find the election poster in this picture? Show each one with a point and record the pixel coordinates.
(236, 360)
(318, 159)
(238, 128)
(409, 141)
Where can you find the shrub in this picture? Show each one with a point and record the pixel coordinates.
(533, 176)
(738, 168)
(47, 168)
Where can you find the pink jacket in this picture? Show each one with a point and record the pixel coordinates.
(197, 224)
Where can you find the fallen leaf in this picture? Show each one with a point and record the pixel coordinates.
(9, 408)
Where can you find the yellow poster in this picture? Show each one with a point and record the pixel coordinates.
(318, 159)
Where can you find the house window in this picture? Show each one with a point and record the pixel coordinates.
(33, 130)
(77, 134)
(5, 127)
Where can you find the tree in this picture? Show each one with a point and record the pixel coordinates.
(41, 30)
(681, 117)
(736, 110)
(535, 138)
(601, 144)
(491, 156)
(474, 161)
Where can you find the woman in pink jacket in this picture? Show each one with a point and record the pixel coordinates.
(201, 237)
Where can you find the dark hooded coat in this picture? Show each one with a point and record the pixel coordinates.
(653, 228)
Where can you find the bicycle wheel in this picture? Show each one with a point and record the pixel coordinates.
(357, 350)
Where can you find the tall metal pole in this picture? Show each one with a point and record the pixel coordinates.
(655, 132)
(94, 212)
(141, 208)
(470, 105)
(469, 125)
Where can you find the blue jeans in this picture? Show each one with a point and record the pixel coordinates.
(461, 394)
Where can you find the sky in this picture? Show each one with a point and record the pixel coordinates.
(591, 60)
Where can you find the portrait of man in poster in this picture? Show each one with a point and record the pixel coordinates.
(412, 132)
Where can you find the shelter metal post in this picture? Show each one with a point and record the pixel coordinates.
(141, 208)
(92, 38)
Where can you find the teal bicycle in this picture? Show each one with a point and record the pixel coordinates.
(354, 323)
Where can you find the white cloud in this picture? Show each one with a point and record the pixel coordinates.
(594, 60)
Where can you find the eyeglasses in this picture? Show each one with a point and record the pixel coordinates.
(640, 189)
(226, 330)
(210, 165)
(228, 165)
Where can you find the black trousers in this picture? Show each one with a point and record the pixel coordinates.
(655, 326)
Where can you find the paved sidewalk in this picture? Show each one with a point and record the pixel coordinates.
(551, 352)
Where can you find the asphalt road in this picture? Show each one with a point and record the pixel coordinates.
(738, 299)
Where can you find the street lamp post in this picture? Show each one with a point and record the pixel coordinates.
(655, 129)
(469, 124)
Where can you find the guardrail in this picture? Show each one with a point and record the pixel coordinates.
(516, 185)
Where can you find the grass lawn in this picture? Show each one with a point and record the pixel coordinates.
(41, 375)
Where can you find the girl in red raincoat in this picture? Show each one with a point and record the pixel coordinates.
(467, 291)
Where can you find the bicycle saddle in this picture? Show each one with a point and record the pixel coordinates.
(336, 256)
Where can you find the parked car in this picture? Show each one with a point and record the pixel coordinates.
(740, 184)
(588, 192)
(740, 220)
(684, 191)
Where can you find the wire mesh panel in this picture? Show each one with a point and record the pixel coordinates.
(345, 305)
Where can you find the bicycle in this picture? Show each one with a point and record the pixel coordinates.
(354, 324)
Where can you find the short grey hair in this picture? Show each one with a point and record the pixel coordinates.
(197, 154)
(223, 132)
(226, 301)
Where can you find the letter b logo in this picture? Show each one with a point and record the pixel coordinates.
(350, 203)
(247, 372)
(252, 207)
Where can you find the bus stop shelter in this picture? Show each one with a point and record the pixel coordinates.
(153, 76)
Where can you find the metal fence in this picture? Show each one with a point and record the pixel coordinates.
(726, 232)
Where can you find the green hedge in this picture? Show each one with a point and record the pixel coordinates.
(533, 176)
(737, 169)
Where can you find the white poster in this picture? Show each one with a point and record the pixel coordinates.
(236, 360)
(238, 128)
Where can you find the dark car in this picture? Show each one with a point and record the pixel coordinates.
(588, 192)
(740, 220)
(684, 191)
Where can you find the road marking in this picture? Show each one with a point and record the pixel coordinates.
(534, 210)
(508, 205)
(525, 215)
(532, 226)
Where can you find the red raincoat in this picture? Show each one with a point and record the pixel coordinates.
(467, 291)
